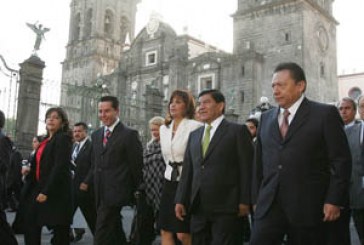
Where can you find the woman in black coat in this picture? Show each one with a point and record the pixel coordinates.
(50, 199)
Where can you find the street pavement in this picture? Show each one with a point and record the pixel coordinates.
(127, 220)
(127, 214)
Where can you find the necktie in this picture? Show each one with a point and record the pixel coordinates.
(76, 151)
(106, 137)
(206, 139)
(284, 125)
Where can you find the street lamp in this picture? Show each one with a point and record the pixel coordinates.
(263, 106)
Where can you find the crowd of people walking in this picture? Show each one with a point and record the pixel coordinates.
(293, 176)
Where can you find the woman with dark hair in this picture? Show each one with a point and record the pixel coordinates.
(49, 179)
(173, 139)
(18, 224)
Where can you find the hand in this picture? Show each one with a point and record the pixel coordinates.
(83, 186)
(41, 198)
(25, 170)
(331, 212)
(180, 211)
(244, 210)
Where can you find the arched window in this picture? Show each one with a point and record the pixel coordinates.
(124, 28)
(88, 23)
(76, 27)
(108, 22)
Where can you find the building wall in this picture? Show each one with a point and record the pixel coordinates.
(285, 31)
(351, 85)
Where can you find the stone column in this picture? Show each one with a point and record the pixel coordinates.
(31, 74)
(153, 107)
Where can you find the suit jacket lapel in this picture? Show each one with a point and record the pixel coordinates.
(100, 138)
(276, 133)
(199, 136)
(299, 119)
(82, 148)
(216, 138)
(115, 132)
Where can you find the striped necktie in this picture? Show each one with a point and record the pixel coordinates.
(107, 135)
(284, 125)
(76, 151)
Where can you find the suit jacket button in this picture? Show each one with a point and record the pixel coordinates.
(202, 167)
(280, 166)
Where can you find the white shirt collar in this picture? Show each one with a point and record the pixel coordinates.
(111, 128)
(350, 124)
(214, 125)
(81, 143)
(292, 109)
(216, 122)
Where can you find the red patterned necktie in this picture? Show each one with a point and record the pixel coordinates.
(106, 137)
(284, 125)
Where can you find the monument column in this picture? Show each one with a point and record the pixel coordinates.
(31, 74)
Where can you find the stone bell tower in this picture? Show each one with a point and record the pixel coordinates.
(290, 30)
(97, 33)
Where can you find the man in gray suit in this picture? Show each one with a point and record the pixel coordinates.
(354, 133)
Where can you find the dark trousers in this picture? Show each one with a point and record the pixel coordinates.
(214, 229)
(271, 229)
(33, 234)
(109, 229)
(337, 232)
(358, 217)
(6, 234)
(87, 206)
(33, 231)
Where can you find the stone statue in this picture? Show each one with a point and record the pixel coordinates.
(39, 31)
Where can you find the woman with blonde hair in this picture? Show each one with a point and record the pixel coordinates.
(153, 177)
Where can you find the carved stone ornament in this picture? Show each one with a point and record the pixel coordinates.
(153, 25)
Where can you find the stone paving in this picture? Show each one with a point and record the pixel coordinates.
(128, 214)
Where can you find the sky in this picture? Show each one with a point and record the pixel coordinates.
(208, 20)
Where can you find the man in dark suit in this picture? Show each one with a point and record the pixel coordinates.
(117, 157)
(216, 177)
(302, 167)
(354, 132)
(81, 165)
(5, 150)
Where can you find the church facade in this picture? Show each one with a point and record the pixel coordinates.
(143, 74)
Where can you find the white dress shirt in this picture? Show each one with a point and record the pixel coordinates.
(112, 127)
(214, 125)
(292, 111)
(173, 149)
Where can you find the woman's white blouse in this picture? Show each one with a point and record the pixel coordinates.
(173, 150)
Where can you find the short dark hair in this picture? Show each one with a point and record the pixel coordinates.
(82, 124)
(2, 119)
(114, 101)
(189, 101)
(253, 121)
(295, 71)
(350, 100)
(216, 95)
